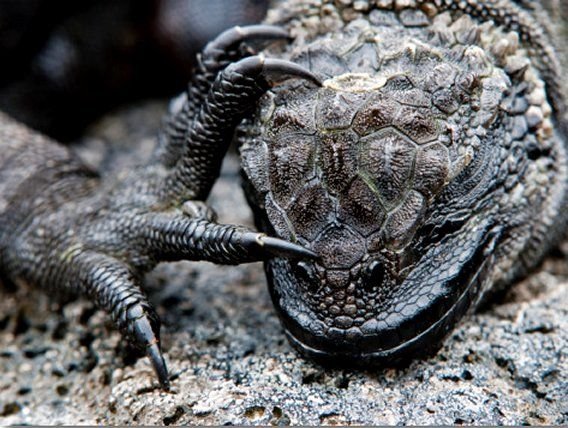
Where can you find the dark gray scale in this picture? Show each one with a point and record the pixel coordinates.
(336, 110)
(291, 162)
(338, 154)
(386, 161)
(365, 212)
(378, 113)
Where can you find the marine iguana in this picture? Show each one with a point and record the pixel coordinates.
(410, 160)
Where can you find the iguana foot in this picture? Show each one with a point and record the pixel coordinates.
(65, 229)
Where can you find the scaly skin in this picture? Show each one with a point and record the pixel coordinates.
(427, 172)
(67, 230)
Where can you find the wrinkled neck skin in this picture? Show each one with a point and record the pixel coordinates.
(426, 171)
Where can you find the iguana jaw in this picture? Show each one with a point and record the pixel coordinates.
(422, 345)
(411, 332)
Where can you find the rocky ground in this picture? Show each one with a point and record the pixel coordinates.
(232, 364)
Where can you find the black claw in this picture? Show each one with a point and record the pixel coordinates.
(159, 364)
(237, 35)
(278, 69)
(272, 70)
(146, 335)
(277, 247)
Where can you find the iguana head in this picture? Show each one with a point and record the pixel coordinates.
(391, 173)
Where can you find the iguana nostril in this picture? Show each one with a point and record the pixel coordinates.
(374, 276)
(306, 272)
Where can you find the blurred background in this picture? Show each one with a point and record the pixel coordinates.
(66, 62)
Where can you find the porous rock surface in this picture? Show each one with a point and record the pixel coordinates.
(231, 362)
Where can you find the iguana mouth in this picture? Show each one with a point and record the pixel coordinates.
(422, 344)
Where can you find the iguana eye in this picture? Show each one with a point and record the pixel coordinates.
(374, 275)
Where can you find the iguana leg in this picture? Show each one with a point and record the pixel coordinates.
(177, 235)
(191, 233)
(63, 228)
(216, 56)
(115, 288)
(232, 96)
